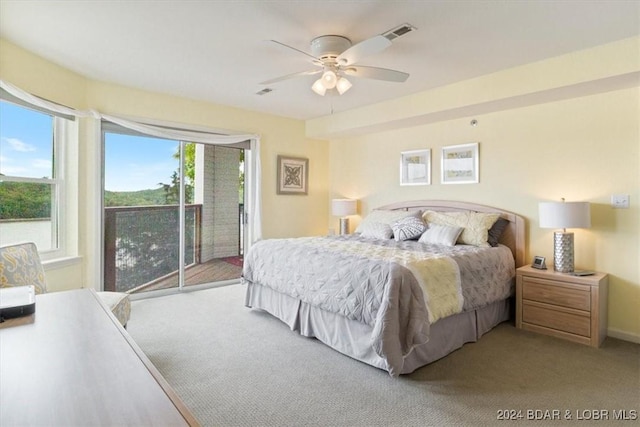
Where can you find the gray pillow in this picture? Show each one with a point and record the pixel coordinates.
(408, 228)
(496, 230)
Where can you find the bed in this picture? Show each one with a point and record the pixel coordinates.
(395, 305)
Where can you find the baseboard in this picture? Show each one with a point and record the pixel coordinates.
(623, 335)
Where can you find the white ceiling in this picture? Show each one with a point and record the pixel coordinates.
(217, 51)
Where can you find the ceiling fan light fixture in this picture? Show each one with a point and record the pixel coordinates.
(343, 85)
(336, 57)
(329, 79)
(319, 87)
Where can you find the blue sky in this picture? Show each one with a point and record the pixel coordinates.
(131, 162)
(25, 142)
(138, 163)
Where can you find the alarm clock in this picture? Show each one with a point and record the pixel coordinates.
(539, 263)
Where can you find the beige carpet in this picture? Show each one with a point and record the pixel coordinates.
(234, 366)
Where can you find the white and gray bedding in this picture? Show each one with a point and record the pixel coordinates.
(398, 289)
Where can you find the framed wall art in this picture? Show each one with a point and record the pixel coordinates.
(293, 175)
(460, 164)
(415, 167)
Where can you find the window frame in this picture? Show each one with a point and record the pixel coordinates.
(64, 133)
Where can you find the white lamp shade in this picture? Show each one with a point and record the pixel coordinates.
(564, 215)
(319, 88)
(343, 85)
(344, 207)
(329, 79)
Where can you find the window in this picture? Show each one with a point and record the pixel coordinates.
(173, 211)
(32, 180)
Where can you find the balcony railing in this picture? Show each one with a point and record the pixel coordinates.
(142, 243)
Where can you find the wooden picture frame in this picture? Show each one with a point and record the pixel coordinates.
(415, 167)
(460, 164)
(293, 175)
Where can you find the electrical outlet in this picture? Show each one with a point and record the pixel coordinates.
(620, 201)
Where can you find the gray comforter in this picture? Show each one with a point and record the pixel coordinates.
(397, 288)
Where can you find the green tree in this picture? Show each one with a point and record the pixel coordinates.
(189, 161)
(172, 190)
(25, 200)
(151, 197)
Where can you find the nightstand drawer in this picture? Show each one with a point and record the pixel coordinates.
(572, 296)
(561, 305)
(562, 320)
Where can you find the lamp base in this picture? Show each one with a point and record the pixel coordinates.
(563, 254)
(344, 225)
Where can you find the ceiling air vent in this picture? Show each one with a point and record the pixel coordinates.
(264, 91)
(399, 31)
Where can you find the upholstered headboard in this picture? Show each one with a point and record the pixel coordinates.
(513, 236)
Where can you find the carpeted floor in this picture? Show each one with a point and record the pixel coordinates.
(234, 366)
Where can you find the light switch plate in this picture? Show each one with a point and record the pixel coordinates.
(620, 201)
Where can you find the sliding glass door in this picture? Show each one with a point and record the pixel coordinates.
(173, 212)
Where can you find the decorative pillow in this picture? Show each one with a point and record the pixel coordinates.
(408, 228)
(384, 217)
(495, 232)
(441, 235)
(475, 225)
(377, 230)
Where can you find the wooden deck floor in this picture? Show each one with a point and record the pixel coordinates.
(215, 270)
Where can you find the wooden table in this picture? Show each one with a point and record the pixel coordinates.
(562, 305)
(71, 363)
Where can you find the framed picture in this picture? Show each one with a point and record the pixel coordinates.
(460, 164)
(293, 175)
(415, 167)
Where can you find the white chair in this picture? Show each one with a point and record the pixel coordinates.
(20, 266)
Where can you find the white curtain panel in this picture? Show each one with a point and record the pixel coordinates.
(255, 202)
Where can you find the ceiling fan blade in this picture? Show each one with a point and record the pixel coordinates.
(291, 76)
(376, 73)
(313, 58)
(364, 48)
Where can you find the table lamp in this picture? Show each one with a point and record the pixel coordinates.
(564, 215)
(344, 208)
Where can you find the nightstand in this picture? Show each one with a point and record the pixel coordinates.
(561, 305)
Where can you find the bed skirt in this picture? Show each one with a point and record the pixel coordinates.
(352, 338)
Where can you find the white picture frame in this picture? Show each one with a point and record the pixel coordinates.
(460, 164)
(415, 167)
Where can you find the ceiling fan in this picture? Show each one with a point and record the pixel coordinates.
(336, 58)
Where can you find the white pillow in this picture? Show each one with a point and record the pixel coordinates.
(441, 235)
(384, 217)
(475, 225)
(377, 230)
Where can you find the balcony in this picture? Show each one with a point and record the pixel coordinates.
(142, 248)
